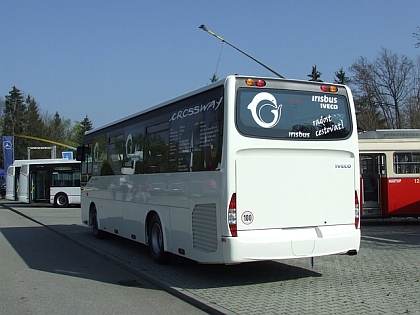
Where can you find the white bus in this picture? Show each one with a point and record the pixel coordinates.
(55, 182)
(12, 176)
(242, 170)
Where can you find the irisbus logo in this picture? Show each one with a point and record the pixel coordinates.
(256, 106)
(342, 165)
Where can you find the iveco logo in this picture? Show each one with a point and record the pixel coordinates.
(342, 165)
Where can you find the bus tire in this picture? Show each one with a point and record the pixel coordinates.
(156, 244)
(61, 200)
(95, 227)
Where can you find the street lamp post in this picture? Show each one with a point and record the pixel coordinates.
(204, 28)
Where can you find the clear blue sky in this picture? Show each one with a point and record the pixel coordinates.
(109, 59)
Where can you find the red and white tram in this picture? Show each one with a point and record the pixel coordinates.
(390, 171)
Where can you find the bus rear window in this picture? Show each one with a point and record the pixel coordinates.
(295, 115)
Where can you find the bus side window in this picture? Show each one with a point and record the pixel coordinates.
(157, 146)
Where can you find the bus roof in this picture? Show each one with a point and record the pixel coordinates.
(390, 134)
(149, 109)
(194, 92)
(38, 161)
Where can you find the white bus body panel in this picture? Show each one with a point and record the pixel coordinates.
(72, 193)
(309, 214)
(10, 183)
(291, 243)
(23, 193)
(289, 192)
(175, 209)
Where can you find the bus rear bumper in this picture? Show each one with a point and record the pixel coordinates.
(275, 244)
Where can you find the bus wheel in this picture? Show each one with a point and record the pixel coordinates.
(61, 200)
(156, 241)
(95, 227)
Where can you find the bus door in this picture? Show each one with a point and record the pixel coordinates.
(373, 169)
(40, 186)
(15, 187)
(12, 183)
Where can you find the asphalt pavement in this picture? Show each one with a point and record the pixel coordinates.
(42, 273)
(384, 278)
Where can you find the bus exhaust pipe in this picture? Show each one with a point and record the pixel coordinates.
(352, 252)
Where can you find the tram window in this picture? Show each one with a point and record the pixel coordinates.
(407, 162)
(366, 164)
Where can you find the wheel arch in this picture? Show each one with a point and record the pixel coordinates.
(149, 217)
(57, 196)
(92, 209)
(165, 230)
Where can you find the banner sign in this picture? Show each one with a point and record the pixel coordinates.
(8, 151)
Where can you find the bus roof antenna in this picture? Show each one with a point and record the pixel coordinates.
(204, 28)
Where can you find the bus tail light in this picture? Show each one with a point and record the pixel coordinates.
(232, 216)
(255, 82)
(329, 88)
(356, 210)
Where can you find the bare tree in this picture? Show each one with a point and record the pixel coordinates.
(1, 107)
(417, 36)
(412, 112)
(368, 114)
(387, 81)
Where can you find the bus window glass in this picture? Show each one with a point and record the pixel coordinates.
(86, 166)
(196, 133)
(293, 115)
(98, 154)
(157, 144)
(407, 162)
(115, 156)
(65, 178)
(134, 149)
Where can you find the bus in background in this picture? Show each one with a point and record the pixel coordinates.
(245, 169)
(12, 176)
(390, 170)
(55, 182)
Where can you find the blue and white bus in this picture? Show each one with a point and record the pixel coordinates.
(54, 181)
(13, 173)
(245, 169)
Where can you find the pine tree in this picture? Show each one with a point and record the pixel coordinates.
(57, 129)
(315, 75)
(15, 121)
(79, 130)
(340, 77)
(34, 126)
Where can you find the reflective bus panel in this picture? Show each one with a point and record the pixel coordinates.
(231, 173)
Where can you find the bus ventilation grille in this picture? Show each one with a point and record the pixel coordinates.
(204, 227)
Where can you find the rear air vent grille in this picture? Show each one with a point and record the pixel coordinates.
(204, 226)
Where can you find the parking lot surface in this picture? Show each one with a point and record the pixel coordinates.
(384, 278)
